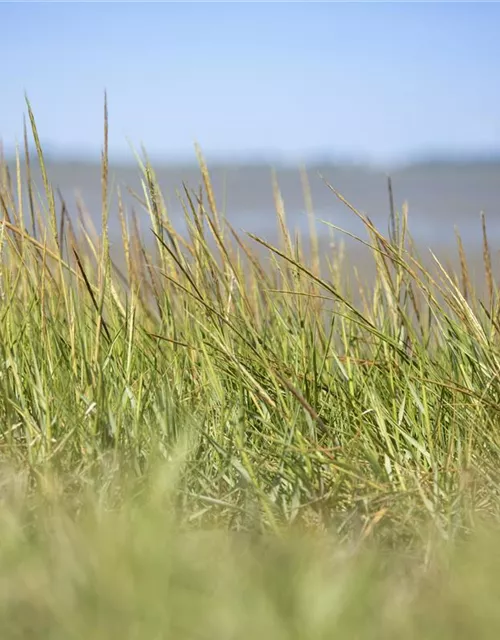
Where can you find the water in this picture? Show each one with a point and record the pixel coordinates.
(439, 196)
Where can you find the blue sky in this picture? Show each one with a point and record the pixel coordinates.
(378, 81)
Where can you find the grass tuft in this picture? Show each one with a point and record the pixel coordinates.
(217, 382)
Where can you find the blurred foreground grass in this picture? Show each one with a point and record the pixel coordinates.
(213, 442)
(131, 572)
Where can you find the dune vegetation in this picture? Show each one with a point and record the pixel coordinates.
(219, 437)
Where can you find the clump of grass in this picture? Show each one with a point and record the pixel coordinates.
(291, 396)
(171, 422)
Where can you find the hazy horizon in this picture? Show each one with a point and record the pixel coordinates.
(451, 159)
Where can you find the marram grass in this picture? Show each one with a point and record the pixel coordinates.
(219, 437)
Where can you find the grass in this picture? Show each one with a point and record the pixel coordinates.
(226, 438)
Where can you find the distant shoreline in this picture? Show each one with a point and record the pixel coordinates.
(441, 161)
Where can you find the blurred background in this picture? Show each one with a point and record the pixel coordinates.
(354, 92)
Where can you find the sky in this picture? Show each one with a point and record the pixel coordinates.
(380, 82)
